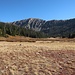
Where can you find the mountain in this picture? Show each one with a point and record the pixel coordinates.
(31, 23)
(53, 28)
(38, 28)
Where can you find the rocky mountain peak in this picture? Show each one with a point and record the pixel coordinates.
(31, 23)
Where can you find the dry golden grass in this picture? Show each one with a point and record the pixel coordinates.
(2, 39)
(42, 57)
(28, 39)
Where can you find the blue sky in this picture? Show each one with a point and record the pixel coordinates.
(12, 10)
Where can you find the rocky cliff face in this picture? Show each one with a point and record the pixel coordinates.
(31, 23)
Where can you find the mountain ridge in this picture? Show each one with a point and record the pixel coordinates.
(55, 28)
(31, 23)
(34, 27)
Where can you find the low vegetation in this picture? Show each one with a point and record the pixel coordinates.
(37, 58)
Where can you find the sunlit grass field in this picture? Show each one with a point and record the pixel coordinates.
(29, 56)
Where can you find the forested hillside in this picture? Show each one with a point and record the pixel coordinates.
(9, 29)
(37, 28)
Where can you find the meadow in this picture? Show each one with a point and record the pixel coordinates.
(29, 56)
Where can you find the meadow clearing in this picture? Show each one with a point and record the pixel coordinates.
(40, 57)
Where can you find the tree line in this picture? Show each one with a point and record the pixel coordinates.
(13, 30)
